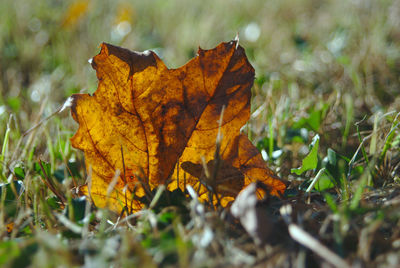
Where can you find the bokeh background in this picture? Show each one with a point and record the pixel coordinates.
(337, 58)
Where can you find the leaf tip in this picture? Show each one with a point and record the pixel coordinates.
(72, 102)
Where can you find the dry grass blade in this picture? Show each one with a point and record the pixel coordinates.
(49, 183)
(304, 238)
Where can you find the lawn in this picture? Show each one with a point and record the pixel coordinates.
(324, 115)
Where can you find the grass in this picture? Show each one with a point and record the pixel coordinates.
(330, 68)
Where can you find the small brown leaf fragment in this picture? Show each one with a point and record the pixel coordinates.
(253, 217)
(144, 118)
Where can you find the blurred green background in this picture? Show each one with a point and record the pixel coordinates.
(306, 53)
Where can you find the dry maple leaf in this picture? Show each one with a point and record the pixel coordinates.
(157, 125)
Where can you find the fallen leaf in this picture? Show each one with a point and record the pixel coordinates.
(157, 125)
(10, 227)
(228, 180)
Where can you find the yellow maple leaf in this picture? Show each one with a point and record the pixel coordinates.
(153, 124)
